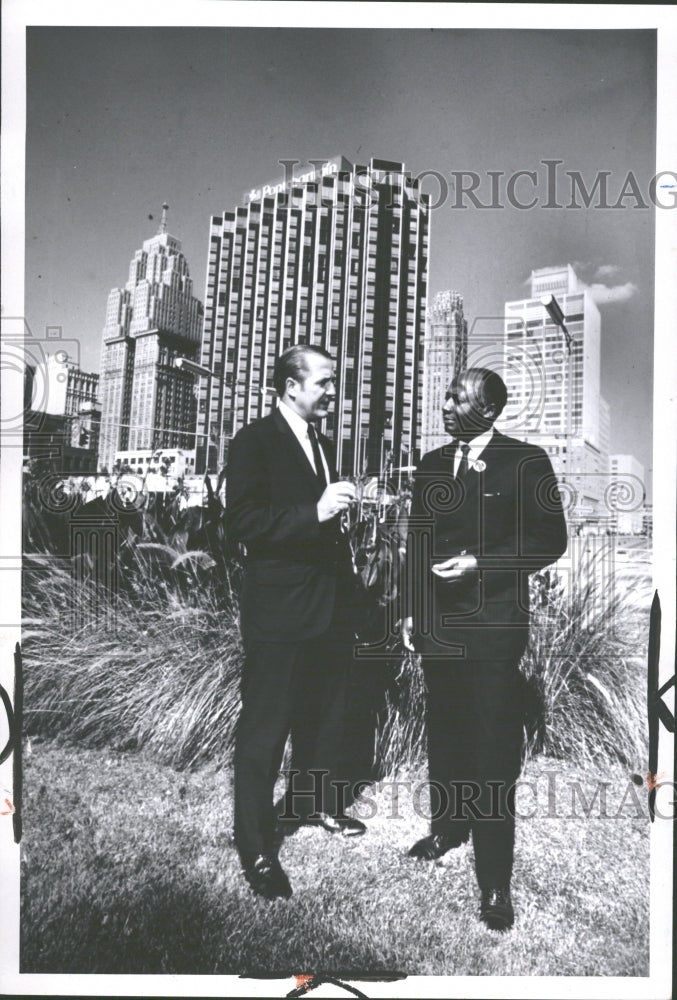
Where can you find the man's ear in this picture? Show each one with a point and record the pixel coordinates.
(490, 411)
(290, 387)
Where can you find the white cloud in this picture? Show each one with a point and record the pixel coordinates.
(603, 295)
(607, 270)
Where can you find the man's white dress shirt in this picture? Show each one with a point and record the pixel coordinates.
(477, 446)
(300, 428)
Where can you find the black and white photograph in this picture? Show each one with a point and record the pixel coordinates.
(338, 502)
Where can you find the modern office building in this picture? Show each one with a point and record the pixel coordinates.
(553, 384)
(336, 257)
(59, 386)
(445, 354)
(147, 403)
(62, 414)
(626, 495)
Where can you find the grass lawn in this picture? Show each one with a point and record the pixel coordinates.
(127, 866)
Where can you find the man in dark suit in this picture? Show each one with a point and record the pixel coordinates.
(485, 514)
(283, 505)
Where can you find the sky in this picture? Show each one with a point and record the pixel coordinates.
(120, 120)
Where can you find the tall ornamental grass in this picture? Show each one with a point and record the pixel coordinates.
(585, 665)
(584, 681)
(154, 660)
(138, 646)
(159, 670)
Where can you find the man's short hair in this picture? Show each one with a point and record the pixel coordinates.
(488, 386)
(292, 364)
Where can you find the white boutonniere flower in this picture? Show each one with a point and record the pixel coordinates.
(478, 465)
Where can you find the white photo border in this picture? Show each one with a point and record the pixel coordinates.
(17, 15)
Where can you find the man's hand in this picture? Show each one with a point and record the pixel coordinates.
(406, 631)
(336, 498)
(455, 568)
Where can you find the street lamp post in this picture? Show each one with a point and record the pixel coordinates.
(554, 311)
(198, 371)
(241, 390)
(185, 364)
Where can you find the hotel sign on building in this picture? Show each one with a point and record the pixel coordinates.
(335, 256)
(323, 168)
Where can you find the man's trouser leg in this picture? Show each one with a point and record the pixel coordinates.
(449, 738)
(498, 714)
(474, 730)
(319, 723)
(268, 691)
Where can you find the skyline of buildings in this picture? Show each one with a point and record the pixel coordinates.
(485, 254)
(336, 258)
(147, 403)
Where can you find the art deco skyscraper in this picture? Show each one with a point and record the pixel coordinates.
(335, 257)
(446, 353)
(146, 402)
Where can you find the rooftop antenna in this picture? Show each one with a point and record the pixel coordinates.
(163, 222)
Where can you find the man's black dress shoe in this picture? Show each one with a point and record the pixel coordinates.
(266, 877)
(344, 825)
(496, 909)
(436, 844)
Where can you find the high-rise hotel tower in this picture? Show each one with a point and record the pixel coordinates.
(554, 394)
(335, 257)
(446, 354)
(146, 402)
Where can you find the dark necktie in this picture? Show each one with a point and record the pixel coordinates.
(463, 464)
(317, 457)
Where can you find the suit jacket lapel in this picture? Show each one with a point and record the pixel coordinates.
(296, 452)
